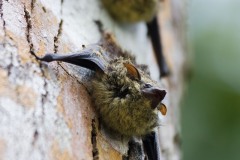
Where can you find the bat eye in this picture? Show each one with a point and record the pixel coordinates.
(132, 71)
(147, 85)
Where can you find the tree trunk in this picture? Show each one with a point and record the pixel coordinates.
(46, 111)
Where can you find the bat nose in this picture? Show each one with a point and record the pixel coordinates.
(154, 94)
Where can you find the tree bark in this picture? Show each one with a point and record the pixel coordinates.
(46, 111)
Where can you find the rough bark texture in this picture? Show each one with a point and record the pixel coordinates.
(45, 110)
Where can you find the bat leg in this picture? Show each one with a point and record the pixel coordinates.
(151, 146)
(154, 34)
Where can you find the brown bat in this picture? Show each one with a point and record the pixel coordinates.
(132, 11)
(126, 98)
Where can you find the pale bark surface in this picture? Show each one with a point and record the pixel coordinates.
(46, 111)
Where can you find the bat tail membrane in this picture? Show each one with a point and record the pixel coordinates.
(86, 58)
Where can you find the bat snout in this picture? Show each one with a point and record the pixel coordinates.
(154, 94)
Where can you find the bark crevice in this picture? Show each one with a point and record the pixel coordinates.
(28, 29)
(1, 14)
(56, 38)
(95, 152)
(32, 5)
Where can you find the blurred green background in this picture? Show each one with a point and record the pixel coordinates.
(211, 110)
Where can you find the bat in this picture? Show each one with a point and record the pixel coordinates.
(127, 100)
(133, 11)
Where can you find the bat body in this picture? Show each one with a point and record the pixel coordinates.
(126, 98)
(131, 10)
(122, 99)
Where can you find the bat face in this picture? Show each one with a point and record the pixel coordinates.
(127, 100)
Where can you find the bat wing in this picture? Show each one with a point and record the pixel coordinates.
(151, 146)
(90, 58)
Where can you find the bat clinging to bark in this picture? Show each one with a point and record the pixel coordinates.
(126, 98)
(132, 11)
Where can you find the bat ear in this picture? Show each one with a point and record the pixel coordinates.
(132, 71)
(86, 58)
(163, 109)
